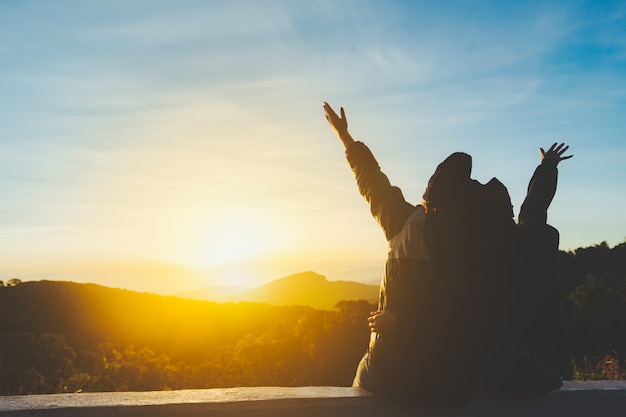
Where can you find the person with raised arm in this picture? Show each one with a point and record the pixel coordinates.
(446, 282)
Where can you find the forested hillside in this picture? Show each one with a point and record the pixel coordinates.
(68, 337)
(63, 336)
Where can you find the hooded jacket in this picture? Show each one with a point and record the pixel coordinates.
(417, 360)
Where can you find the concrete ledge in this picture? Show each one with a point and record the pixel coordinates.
(598, 398)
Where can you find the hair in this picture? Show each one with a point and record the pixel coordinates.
(448, 185)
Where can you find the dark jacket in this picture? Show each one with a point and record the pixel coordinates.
(413, 363)
(448, 307)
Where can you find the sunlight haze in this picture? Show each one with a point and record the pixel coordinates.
(166, 146)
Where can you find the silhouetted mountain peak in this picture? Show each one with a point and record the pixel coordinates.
(300, 278)
(303, 288)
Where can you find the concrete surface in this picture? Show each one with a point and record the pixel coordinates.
(598, 398)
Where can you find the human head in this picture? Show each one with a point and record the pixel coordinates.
(498, 197)
(448, 186)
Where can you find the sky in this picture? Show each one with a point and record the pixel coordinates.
(164, 146)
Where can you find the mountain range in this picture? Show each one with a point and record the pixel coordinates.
(304, 288)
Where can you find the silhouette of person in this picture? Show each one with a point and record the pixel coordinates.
(443, 293)
(532, 308)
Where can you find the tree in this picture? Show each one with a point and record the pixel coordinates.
(35, 363)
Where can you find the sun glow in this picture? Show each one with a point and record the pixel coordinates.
(230, 235)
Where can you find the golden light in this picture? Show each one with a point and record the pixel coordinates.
(230, 234)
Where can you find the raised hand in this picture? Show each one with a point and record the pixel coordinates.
(339, 124)
(555, 153)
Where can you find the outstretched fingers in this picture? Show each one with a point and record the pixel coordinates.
(339, 123)
(556, 152)
(560, 150)
(331, 115)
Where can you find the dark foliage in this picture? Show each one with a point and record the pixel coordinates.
(592, 287)
(68, 337)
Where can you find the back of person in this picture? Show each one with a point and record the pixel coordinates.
(467, 232)
(447, 276)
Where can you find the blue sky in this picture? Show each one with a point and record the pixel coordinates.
(138, 137)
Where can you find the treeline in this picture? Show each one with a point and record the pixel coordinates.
(591, 283)
(67, 337)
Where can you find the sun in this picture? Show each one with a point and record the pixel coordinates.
(230, 235)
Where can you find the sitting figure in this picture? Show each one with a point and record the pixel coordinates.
(444, 303)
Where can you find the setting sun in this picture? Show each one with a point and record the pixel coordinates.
(230, 234)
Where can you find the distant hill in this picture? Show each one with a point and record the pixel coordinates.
(304, 288)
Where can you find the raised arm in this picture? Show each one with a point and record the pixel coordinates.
(542, 186)
(387, 204)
